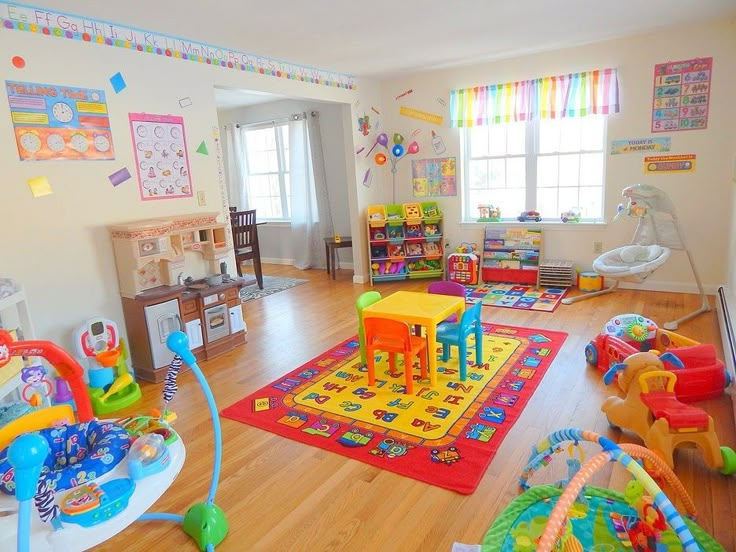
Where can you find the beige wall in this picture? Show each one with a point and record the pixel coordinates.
(57, 246)
(704, 199)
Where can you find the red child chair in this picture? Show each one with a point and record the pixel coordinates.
(394, 337)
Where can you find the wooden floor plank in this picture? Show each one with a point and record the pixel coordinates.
(282, 495)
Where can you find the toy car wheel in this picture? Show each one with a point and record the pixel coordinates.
(591, 355)
(729, 461)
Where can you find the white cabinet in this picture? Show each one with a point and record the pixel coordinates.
(14, 315)
(194, 333)
(237, 323)
(162, 320)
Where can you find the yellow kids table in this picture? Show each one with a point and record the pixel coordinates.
(419, 308)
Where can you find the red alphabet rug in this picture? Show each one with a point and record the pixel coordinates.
(444, 435)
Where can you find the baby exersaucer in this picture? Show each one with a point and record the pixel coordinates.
(40, 528)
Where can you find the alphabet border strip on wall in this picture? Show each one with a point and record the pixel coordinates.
(21, 17)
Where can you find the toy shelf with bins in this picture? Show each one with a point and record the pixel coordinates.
(511, 255)
(405, 241)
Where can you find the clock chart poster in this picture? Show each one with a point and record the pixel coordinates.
(161, 156)
(55, 122)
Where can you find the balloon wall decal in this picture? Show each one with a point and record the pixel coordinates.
(396, 152)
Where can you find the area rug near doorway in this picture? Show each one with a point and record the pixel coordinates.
(444, 435)
(271, 285)
(516, 296)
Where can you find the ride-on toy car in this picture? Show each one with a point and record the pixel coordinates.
(703, 377)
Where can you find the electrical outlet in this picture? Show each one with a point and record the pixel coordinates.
(201, 198)
(598, 247)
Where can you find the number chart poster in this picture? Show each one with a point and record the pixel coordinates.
(681, 95)
(434, 177)
(161, 156)
(59, 122)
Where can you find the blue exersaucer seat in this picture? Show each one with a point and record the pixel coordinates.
(78, 454)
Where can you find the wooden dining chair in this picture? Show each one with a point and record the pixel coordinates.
(394, 337)
(245, 242)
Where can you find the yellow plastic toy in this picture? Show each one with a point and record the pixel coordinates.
(652, 410)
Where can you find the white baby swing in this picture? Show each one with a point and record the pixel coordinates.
(657, 233)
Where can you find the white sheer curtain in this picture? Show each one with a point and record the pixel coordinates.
(237, 173)
(311, 218)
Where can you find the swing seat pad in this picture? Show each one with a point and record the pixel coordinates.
(631, 260)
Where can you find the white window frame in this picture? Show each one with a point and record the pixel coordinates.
(282, 172)
(532, 133)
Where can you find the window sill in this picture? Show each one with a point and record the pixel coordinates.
(276, 223)
(557, 225)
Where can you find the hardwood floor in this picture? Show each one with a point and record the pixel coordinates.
(282, 495)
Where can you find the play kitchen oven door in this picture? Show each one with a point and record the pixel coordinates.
(216, 322)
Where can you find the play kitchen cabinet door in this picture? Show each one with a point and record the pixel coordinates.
(161, 321)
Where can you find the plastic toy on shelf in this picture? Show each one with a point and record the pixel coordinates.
(527, 216)
(651, 409)
(704, 376)
(112, 386)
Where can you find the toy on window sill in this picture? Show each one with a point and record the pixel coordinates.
(488, 213)
(571, 215)
(413, 249)
(431, 230)
(527, 216)
(414, 231)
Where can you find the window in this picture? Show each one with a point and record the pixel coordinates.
(545, 165)
(267, 165)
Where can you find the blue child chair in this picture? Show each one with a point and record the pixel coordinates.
(364, 300)
(457, 334)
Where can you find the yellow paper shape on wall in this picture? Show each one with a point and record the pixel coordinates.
(40, 186)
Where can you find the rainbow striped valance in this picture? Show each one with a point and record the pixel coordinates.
(572, 95)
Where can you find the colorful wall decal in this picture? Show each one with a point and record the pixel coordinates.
(432, 118)
(59, 122)
(185, 102)
(18, 62)
(202, 148)
(669, 164)
(118, 177)
(118, 82)
(59, 24)
(162, 163)
(406, 93)
(642, 144)
(434, 177)
(40, 186)
(681, 95)
(364, 124)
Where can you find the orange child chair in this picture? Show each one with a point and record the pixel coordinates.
(394, 337)
(457, 334)
(364, 300)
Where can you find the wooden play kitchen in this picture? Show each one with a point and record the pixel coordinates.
(150, 258)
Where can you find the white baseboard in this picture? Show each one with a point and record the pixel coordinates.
(673, 287)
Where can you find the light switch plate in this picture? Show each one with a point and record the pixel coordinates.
(201, 198)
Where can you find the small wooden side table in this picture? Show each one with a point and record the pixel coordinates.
(330, 246)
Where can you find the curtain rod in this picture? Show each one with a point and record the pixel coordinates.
(293, 117)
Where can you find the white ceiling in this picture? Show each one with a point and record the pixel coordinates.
(384, 38)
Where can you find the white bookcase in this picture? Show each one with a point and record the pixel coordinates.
(14, 315)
